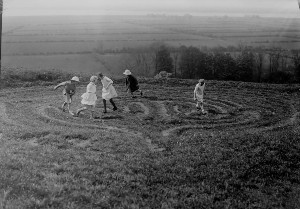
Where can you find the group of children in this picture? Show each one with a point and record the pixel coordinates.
(89, 98)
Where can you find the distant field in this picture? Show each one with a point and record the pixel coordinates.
(71, 42)
(75, 63)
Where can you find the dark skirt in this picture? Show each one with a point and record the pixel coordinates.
(132, 83)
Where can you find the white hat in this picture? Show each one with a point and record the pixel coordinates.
(127, 72)
(75, 78)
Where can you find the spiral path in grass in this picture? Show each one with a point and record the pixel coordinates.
(161, 113)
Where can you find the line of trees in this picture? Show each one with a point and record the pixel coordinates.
(242, 63)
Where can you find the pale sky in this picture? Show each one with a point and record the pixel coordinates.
(282, 8)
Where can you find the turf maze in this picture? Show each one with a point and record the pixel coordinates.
(160, 115)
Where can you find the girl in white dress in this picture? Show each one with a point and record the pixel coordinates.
(89, 98)
(198, 95)
(108, 91)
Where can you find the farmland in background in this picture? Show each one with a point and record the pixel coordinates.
(92, 43)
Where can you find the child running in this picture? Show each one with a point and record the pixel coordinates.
(68, 92)
(198, 95)
(108, 91)
(131, 83)
(89, 98)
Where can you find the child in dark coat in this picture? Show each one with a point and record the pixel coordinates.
(132, 84)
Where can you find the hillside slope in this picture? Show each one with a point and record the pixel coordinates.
(154, 152)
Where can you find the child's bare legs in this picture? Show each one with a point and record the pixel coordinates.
(63, 106)
(68, 106)
(199, 105)
(68, 100)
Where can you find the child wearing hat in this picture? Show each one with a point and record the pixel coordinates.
(108, 91)
(68, 91)
(198, 95)
(89, 98)
(131, 83)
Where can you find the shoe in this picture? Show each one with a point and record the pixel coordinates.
(115, 108)
(142, 94)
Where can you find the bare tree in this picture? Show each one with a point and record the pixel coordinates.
(144, 63)
(258, 60)
(296, 61)
(175, 57)
(275, 55)
(127, 61)
(284, 60)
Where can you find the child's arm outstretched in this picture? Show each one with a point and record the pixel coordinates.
(59, 85)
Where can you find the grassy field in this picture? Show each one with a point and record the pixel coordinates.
(154, 152)
(67, 43)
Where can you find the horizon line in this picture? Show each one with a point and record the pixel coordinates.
(162, 15)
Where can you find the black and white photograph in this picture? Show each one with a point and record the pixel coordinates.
(161, 104)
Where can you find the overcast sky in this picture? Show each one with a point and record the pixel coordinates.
(283, 8)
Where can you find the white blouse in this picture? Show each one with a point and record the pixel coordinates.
(91, 88)
(199, 89)
(106, 81)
